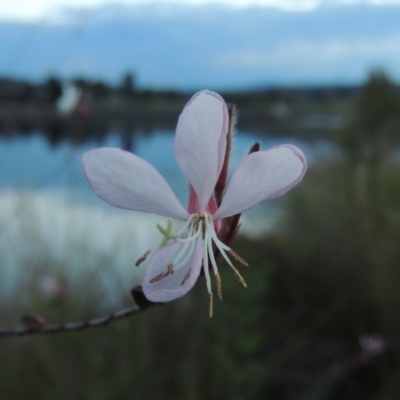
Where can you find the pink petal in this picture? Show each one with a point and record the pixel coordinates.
(261, 176)
(200, 142)
(171, 287)
(126, 181)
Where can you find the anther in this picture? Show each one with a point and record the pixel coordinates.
(163, 274)
(143, 258)
(238, 258)
(170, 270)
(239, 277)
(210, 305)
(219, 287)
(186, 278)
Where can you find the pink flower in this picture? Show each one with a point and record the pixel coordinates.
(127, 181)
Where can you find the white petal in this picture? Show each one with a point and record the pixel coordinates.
(261, 176)
(200, 142)
(126, 181)
(170, 287)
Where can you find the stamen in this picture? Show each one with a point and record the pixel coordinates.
(201, 231)
(188, 222)
(205, 263)
(143, 258)
(158, 278)
(238, 258)
(211, 255)
(186, 277)
(239, 277)
(186, 252)
(190, 237)
(210, 304)
(221, 246)
(219, 287)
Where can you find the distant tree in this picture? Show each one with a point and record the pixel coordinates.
(53, 88)
(12, 89)
(374, 123)
(378, 105)
(128, 85)
(81, 83)
(147, 95)
(26, 90)
(100, 89)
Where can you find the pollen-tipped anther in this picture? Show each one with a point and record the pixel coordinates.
(210, 304)
(238, 258)
(158, 278)
(239, 277)
(219, 286)
(185, 278)
(143, 258)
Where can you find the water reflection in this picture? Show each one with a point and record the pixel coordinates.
(33, 160)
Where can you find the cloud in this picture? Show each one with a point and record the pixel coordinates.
(287, 5)
(40, 10)
(310, 59)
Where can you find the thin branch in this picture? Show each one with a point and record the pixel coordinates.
(71, 326)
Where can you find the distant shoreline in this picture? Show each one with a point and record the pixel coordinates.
(278, 118)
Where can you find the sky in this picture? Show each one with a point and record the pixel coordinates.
(187, 45)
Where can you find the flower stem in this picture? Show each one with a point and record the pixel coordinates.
(71, 326)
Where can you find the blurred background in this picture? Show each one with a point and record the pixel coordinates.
(320, 317)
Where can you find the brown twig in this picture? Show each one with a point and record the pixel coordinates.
(71, 326)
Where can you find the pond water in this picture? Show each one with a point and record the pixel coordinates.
(30, 163)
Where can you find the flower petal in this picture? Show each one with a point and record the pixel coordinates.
(200, 142)
(184, 276)
(261, 176)
(126, 181)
